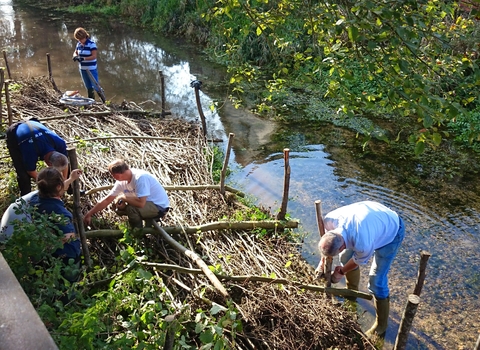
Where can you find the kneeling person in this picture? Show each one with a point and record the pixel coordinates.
(136, 193)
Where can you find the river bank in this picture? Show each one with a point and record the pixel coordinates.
(143, 273)
(327, 162)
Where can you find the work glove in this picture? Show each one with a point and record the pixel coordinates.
(78, 59)
(337, 274)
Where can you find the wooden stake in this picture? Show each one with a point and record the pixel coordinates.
(225, 163)
(327, 269)
(424, 256)
(7, 101)
(72, 155)
(286, 185)
(2, 81)
(406, 323)
(50, 75)
(320, 224)
(6, 64)
(197, 85)
(162, 87)
(411, 307)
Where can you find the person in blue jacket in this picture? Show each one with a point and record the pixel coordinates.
(49, 200)
(86, 55)
(17, 211)
(30, 141)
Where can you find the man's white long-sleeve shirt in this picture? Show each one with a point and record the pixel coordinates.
(365, 226)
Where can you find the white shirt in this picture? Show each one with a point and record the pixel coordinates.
(143, 184)
(365, 226)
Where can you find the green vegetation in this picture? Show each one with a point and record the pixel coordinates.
(215, 157)
(121, 306)
(412, 65)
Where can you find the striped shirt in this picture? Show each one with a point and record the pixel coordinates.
(86, 51)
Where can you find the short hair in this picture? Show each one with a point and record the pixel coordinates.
(49, 181)
(330, 243)
(58, 160)
(80, 34)
(118, 166)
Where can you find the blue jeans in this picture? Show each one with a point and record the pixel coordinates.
(86, 78)
(382, 260)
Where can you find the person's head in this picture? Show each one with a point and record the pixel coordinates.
(81, 34)
(119, 170)
(331, 243)
(50, 183)
(118, 166)
(58, 160)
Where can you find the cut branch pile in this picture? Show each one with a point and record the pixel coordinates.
(274, 316)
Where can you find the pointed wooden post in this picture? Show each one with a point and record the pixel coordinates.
(424, 256)
(225, 163)
(162, 91)
(406, 323)
(286, 185)
(412, 304)
(197, 85)
(327, 269)
(2, 81)
(50, 75)
(6, 64)
(7, 101)
(72, 155)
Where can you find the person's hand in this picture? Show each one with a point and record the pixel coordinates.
(87, 219)
(78, 59)
(119, 203)
(75, 174)
(337, 274)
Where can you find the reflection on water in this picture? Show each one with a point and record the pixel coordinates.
(448, 317)
(128, 62)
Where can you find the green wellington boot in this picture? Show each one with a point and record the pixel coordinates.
(379, 328)
(352, 279)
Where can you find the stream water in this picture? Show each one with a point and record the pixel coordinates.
(326, 163)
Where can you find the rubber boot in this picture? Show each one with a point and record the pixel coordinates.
(379, 328)
(91, 93)
(352, 279)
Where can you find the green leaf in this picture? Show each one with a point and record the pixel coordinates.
(427, 121)
(437, 139)
(353, 33)
(216, 308)
(144, 274)
(206, 337)
(199, 327)
(419, 148)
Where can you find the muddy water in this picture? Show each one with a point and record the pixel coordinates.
(325, 163)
